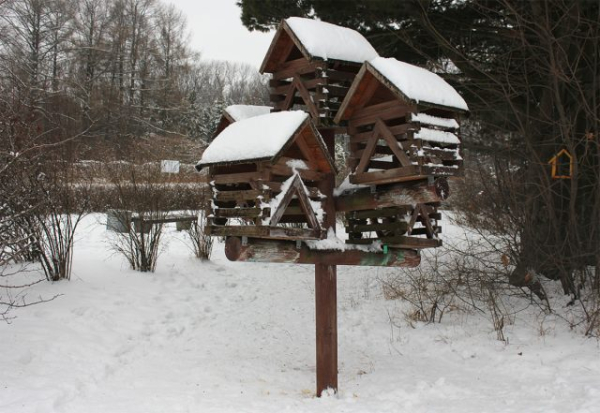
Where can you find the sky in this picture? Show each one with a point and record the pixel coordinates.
(216, 31)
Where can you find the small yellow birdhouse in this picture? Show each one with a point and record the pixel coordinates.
(562, 165)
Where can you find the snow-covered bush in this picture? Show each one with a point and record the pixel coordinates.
(201, 244)
(142, 196)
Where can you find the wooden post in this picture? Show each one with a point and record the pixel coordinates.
(326, 331)
(326, 296)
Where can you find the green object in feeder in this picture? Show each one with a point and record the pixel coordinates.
(385, 249)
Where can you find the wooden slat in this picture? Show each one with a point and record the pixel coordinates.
(240, 212)
(376, 213)
(389, 176)
(390, 226)
(244, 177)
(375, 164)
(296, 233)
(240, 196)
(236, 231)
(440, 153)
(401, 242)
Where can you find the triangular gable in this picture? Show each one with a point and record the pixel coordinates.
(382, 132)
(409, 83)
(296, 187)
(316, 40)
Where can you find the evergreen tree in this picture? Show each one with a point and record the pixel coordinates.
(530, 73)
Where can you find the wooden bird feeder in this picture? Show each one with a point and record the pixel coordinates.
(313, 64)
(562, 165)
(266, 173)
(272, 175)
(403, 138)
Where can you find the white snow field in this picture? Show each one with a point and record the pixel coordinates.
(239, 337)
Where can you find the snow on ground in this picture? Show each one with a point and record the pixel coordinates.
(239, 337)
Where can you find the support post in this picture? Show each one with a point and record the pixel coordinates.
(326, 296)
(326, 320)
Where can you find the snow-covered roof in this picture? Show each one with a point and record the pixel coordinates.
(328, 41)
(241, 112)
(317, 40)
(258, 137)
(418, 84)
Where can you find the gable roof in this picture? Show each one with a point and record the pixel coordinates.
(318, 40)
(409, 83)
(263, 137)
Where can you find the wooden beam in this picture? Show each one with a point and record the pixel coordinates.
(366, 155)
(396, 147)
(240, 196)
(308, 101)
(407, 173)
(401, 242)
(240, 212)
(393, 196)
(264, 250)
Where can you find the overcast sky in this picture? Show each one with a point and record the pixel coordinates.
(217, 31)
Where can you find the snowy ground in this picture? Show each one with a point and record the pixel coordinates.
(239, 337)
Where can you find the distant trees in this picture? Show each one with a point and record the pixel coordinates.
(114, 71)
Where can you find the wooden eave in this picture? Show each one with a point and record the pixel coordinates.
(301, 133)
(226, 120)
(362, 83)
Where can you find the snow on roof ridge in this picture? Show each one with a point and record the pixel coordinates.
(419, 84)
(258, 137)
(241, 112)
(329, 41)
